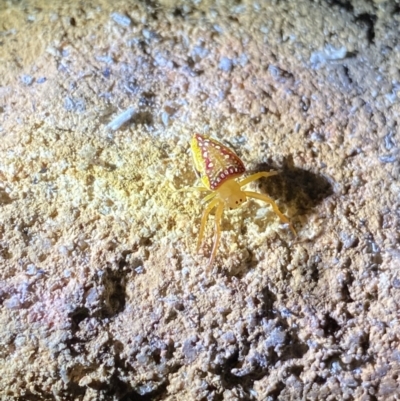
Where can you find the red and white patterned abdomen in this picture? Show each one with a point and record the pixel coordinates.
(214, 162)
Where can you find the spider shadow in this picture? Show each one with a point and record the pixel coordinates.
(294, 186)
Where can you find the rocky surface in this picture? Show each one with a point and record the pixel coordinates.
(102, 293)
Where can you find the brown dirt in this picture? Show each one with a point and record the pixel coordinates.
(103, 295)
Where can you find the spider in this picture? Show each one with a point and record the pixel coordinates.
(218, 167)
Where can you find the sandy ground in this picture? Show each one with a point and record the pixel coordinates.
(103, 295)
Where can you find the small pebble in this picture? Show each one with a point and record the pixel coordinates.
(149, 34)
(388, 158)
(225, 64)
(121, 119)
(13, 302)
(200, 52)
(27, 80)
(121, 19)
(165, 118)
(31, 269)
(139, 270)
(105, 59)
(74, 104)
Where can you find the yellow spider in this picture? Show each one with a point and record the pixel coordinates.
(217, 167)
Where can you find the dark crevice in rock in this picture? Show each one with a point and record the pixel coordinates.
(368, 21)
(344, 4)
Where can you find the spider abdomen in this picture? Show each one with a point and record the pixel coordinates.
(214, 162)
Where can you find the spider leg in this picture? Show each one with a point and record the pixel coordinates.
(267, 199)
(203, 223)
(200, 189)
(188, 189)
(256, 176)
(209, 197)
(217, 236)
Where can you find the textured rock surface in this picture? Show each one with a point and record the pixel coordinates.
(102, 294)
